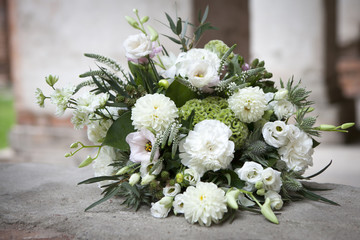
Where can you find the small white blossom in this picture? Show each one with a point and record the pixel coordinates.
(90, 102)
(297, 153)
(178, 204)
(275, 200)
(171, 191)
(271, 179)
(248, 104)
(207, 147)
(155, 111)
(60, 98)
(192, 176)
(160, 209)
(250, 172)
(205, 203)
(281, 94)
(283, 108)
(275, 133)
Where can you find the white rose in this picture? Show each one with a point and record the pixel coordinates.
(271, 179)
(283, 109)
(275, 200)
(297, 153)
(250, 172)
(137, 46)
(192, 176)
(275, 133)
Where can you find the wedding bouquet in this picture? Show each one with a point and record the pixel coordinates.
(201, 133)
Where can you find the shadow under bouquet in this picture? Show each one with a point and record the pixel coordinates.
(201, 133)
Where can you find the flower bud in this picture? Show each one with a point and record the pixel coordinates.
(135, 11)
(132, 22)
(231, 197)
(147, 179)
(268, 213)
(347, 125)
(144, 19)
(179, 178)
(259, 185)
(153, 33)
(134, 179)
(260, 192)
(153, 184)
(166, 201)
(165, 175)
(164, 83)
(74, 145)
(67, 155)
(172, 182)
(86, 162)
(51, 80)
(327, 127)
(123, 170)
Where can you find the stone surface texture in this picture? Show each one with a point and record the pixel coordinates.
(43, 201)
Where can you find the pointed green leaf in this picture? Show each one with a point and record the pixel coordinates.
(204, 17)
(118, 131)
(107, 197)
(179, 93)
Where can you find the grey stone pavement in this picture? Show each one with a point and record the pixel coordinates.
(43, 201)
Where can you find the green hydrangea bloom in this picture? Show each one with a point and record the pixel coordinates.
(216, 108)
(218, 47)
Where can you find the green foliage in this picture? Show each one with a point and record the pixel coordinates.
(179, 93)
(306, 123)
(297, 95)
(118, 131)
(7, 116)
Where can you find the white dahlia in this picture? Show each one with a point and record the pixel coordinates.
(205, 203)
(248, 104)
(207, 147)
(155, 111)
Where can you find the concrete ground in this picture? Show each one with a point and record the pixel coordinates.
(43, 201)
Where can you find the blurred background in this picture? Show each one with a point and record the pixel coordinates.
(317, 41)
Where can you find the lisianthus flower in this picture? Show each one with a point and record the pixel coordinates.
(248, 104)
(283, 108)
(205, 203)
(178, 204)
(297, 153)
(207, 147)
(203, 76)
(271, 179)
(147, 166)
(250, 172)
(171, 191)
(192, 176)
(161, 208)
(60, 98)
(275, 199)
(200, 66)
(275, 133)
(141, 145)
(155, 111)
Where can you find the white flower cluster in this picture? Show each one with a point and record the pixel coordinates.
(294, 146)
(282, 107)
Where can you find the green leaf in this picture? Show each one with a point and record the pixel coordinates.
(204, 17)
(188, 122)
(312, 196)
(171, 23)
(319, 172)
(98, 179)
(233, 178)
(118, 131)
(179, 93)
(172, 39)
(107, 197)
(178, 26)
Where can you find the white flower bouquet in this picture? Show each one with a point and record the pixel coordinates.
(201, 133)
